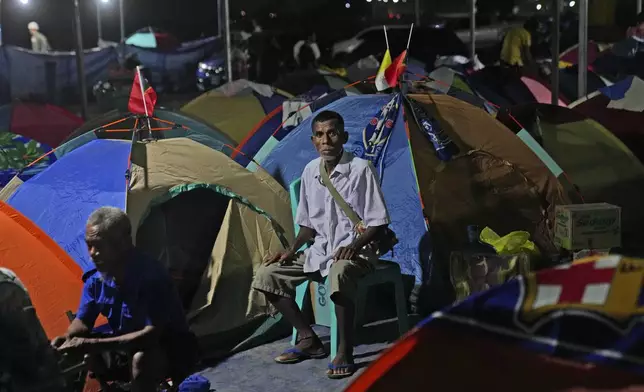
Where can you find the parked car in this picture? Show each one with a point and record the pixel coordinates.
(428, 42)
(211, 73)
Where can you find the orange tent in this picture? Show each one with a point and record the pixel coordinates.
(51, 277)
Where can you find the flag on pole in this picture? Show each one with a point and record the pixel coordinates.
(396, 69)
(143, 98)
(381, 81)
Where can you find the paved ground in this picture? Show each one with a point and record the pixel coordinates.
(255, 371)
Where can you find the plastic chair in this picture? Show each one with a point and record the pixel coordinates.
(323, 307)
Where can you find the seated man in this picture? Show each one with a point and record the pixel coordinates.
(337, 250)
(142, 306)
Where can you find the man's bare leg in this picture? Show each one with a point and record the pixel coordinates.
(309, 342)
(148, 369)
(345, 314)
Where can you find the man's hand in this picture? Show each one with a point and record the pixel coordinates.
(58, 341)
(75, 345)
(345, 253)
(283, 255)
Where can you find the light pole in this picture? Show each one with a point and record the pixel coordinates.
(0, 22)
(122, 20)
(639, 6)
(229, 60)
(99, 25)
(80, 62)
(556, 33)
(582, 50)
(472, 29)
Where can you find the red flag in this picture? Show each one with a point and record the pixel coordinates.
(397, 68)
(142, 97)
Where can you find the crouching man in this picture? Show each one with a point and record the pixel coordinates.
(151, 339)
(337, 249)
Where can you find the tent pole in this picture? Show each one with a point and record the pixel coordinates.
(472, 29)
(122, 20)
(229, 60)
(583, 48)
(80, 62)
(556, 33)
(99, 25)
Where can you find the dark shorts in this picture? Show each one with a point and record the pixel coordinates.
(181, 350)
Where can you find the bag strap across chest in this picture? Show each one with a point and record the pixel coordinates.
(344, 206)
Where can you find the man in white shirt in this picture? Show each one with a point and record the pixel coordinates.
(337, 250)
(39, 42)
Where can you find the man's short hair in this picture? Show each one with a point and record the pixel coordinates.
(110, 219)
(328, 115)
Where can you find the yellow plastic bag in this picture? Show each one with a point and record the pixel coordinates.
(510, 244)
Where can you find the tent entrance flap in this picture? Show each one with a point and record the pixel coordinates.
(181, 233)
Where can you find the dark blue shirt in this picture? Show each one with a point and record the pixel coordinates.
(147, 296)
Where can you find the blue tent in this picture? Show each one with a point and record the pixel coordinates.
(418, 185)
(177, 193)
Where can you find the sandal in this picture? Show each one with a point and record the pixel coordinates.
(295, 355)
(349, 369)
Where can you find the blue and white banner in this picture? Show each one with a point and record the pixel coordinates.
(376, 133)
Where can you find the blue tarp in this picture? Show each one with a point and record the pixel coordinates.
(87, 178)
(287, 160)
(52, 77)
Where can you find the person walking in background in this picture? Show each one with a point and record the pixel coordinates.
(39, 42)
(516, 49)
(307, 53)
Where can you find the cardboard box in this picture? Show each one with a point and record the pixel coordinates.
(588, 226)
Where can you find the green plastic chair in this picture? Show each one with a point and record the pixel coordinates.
(323, 307)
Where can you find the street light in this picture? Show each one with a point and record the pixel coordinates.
(24, 2)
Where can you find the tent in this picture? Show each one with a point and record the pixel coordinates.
(570, 56)
(300, 82)
(52, 278)
(277, 124)
(520, 336)
(504, 87)
(445, 80)
(166, 124)
(153, 38)
(619, 108)
(207, 219)
(492, 171)
(569, 82)
(236, 108)
(29, 130)
(599, 165)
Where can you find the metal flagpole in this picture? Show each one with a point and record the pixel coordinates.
(99, 25)
(472, 29)
(583, 48)
(556, 32)
(80, 62)
(122, 20)
(229, 60)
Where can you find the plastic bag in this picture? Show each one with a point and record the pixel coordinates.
(510, 244)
